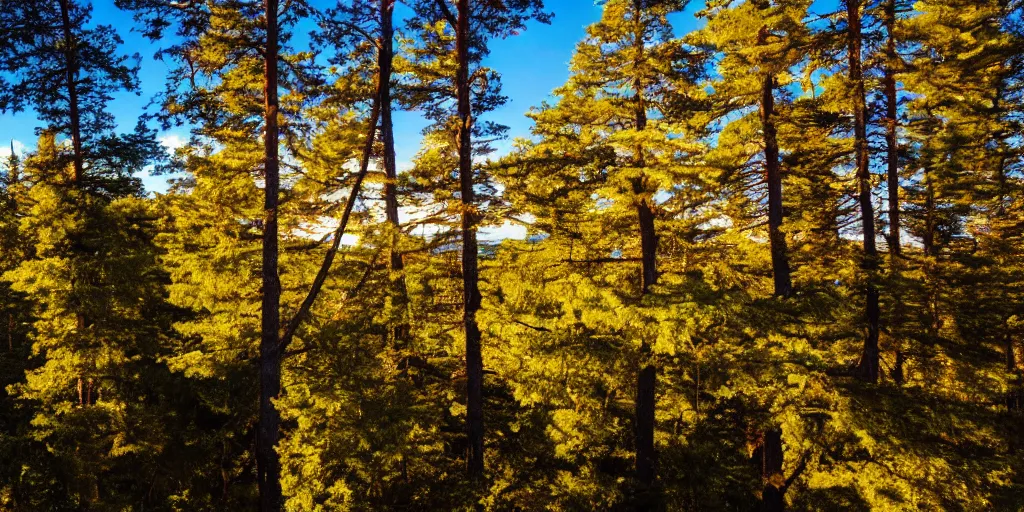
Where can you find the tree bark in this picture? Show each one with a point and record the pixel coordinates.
(777, 239)
(646, 383)
(891, 126)
(71, 77)
(396, 264)
(773, 177)
(647, 376)
(893, 178)
(470, 270)
(868, 368)
(268, 463)
(772, 496)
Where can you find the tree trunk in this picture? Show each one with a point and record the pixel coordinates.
(868, 368)
(470, 271)
(931, 251)
(647, 375)
(396, 265)
(267, 461)
(893, 181)
(1015, 396)
(780, 257)
(891, 126)
(71, 77)
(773, 493)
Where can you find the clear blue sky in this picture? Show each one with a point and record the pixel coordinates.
(532, 64)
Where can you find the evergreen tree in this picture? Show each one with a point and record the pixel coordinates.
(217, 41)
(621, 138)
(460, 34)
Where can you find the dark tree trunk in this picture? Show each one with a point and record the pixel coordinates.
(325, 266)
(267, 461)
(891, 126)
(1015, 396)
(868, 368)
(71, 79)
(931, 250)
(1011, 354)
(470, 271)
(647, 375)
(396, 265)
(893, 178)
(780, 257)
(772, 496)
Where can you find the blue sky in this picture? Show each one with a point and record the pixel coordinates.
(532, 64)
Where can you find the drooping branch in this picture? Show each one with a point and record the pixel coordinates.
(534, 327)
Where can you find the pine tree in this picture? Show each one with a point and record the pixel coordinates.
(463, 34)
(632, 74)
(216, 43)
(760, 42)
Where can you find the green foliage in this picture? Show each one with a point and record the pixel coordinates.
(130, 323)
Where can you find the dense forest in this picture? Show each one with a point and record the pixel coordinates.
(775, 263)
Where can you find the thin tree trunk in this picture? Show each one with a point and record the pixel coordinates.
(892, 124)
(773, 172)
(1011, 355)
(647, 376)
(267, 461)
(893, 180)
(931, 251)
(71, 79)
(470, 271)
(325, 266)
(646, 383)
(868, 369)
(780, 256)
(396, 265)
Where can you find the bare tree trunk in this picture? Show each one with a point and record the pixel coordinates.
(267, 461)
(868, 368)
(470, 270)
(71, 79)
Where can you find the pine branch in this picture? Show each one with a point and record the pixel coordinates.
(448, 16)
(325, 267)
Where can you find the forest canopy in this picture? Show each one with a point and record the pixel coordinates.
(774, 261)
